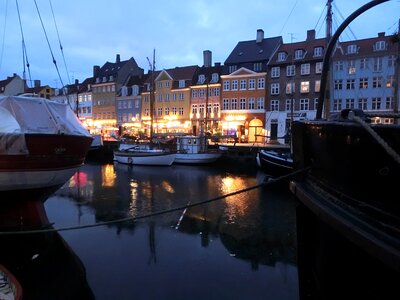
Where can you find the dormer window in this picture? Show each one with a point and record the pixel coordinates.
(181, 83)
(111, 77)
(135, 90)
(317, 51)
(104, 78)
(282, 56)
(351, 49)
(214, 77)
(379, 46)
(202, 78)
(299, 54)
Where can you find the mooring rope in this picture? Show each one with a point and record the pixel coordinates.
(375, 135)
(268, 182)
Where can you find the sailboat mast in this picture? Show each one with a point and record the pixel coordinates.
(152, 66)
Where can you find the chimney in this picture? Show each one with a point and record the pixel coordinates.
(76, 81)
(118, 59)
(381, 34)
(260, 36)
(36, 83)
(96, 70)
(311, 35)
(207, 58)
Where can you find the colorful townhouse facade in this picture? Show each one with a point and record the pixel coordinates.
(294, 78)
(366, 76)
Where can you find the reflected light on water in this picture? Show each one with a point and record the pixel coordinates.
(167, 187)
(108, 175)
(237, 205)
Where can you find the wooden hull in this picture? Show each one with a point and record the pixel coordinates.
(352, 183)
(196, 158)
(157, 158)
(275, 163)
(51, 160)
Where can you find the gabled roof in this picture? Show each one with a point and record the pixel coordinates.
(86, 85)
(251, 51)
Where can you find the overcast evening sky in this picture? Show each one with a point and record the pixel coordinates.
(92, 32)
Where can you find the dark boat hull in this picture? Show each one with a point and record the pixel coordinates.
(352, 183)
(275, 163)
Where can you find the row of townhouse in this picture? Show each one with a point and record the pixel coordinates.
(262, 87)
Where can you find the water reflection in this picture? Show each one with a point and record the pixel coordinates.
(257, 226)
(43, 263)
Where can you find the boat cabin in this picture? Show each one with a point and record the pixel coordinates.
(191, 144)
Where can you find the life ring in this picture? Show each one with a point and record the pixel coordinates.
(130, 160)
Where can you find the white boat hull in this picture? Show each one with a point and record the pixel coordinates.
(145, 159)
(196, 158)
(26, 180)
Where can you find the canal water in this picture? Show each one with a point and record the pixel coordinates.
(133, 232)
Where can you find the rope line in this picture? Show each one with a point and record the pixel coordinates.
(375, 135)
(268, 182)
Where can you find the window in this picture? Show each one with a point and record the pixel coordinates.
(181, 111)
(261, 83)
(338, 65)
(225, 104)
(350, 84)
(274, 106)
(305, 87)
(174, 110)
(391, 60)
(282, 56)
(252, 103)
(376, 103)
(377, 82)
(159, 111)
(243, 84)
(181, 83)
(379, 46)
(389, 102)
(304, 104)
(226, 85)
(290, 88)
(363, 63)
(318, 68)
(317, 85)
(305, 69)
(202, 78)
(378, 64)
(260, 103)
(363, 83)
(337, 104)
(166, 111)
(338, 84)
(201, 109)
(317, 51)
(216, 108)
(214, 77)
(257, 67)
(252, 84)
(363, 103)
(232, 69)
(234, 85)
(275, 72)
(166, 98)
(390, 81)
(242, 103)
(289, 104)
(290, 70)
(351, 49)
(234, 103)
(349, 103)
(274, 88)
(194, 109)
(352, 67)
(299, 54)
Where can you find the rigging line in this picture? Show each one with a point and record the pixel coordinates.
(24, 52)
(348, 27)
(4, 33)
(287, 19)
(267, 182)
(59, 41)
(48, 43)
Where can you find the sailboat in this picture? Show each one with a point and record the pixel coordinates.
(349, 171)
(42, 144)
(146, 154)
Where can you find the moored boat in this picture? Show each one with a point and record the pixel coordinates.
(10, 288)
(351, 169)
(275, 162)
(42, 144)
(146, 157)
(194, 150)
